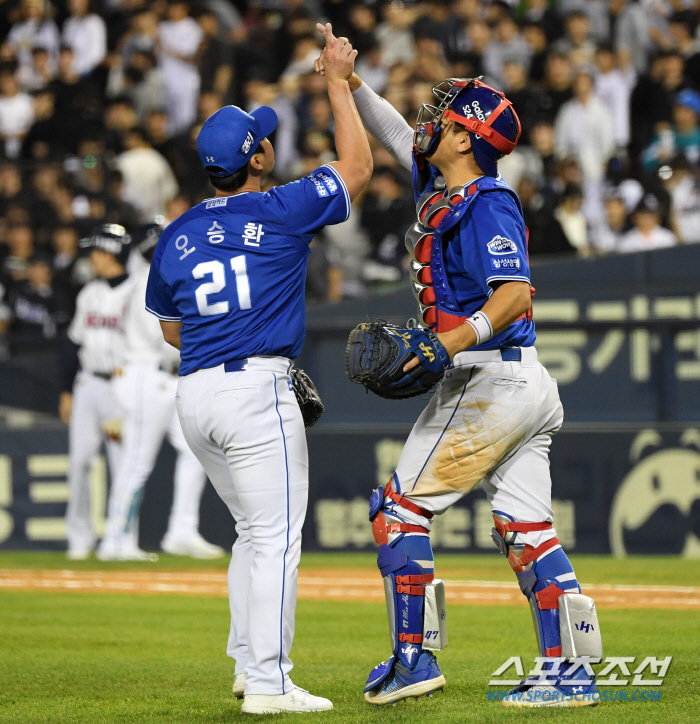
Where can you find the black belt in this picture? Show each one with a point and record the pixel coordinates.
(103, 375)
(235, 365)
(511, 354)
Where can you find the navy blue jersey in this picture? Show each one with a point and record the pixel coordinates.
(233, 270)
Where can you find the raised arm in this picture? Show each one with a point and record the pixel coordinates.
(354, 162)
(378, 116)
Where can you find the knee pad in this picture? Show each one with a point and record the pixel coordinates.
(566, 622)
(393, 515)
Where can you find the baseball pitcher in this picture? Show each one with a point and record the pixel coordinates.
(495, 408)
(227, 282)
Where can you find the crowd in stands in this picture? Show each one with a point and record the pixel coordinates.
(101, 104)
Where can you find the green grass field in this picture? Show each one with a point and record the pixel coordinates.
(77, 657)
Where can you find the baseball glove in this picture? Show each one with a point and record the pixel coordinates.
(377, 353)
(308, 398)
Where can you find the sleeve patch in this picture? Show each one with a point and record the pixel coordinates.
(324, 183)
(504, 264)
(499, 245)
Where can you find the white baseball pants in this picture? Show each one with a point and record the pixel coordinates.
(492, 422)
(247, 431)
(146, 396)
(93, 405)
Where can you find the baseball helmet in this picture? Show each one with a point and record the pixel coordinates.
(112, 238)
(146, 238)
(488, 116)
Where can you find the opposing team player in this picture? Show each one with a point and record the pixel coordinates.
(227, 283)
(94, 350)
(492, 419)
(145, 391)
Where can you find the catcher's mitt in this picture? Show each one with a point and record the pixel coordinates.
(308, 398)
(377, 353)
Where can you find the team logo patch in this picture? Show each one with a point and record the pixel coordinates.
(217, 202)
(505, 264)
(248, 143)
(324, 183)
(499, 246)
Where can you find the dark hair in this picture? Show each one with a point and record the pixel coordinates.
(231, 184)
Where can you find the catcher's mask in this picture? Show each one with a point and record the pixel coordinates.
(488, 116)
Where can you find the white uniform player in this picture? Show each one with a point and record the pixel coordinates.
(96, 334)
(146, 394)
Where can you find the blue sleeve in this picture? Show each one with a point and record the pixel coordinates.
(159, 301)
(307, 205)
(500, 251)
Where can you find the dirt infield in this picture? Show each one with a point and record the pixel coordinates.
(325, 584)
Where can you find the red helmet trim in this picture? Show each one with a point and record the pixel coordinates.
(484, 128)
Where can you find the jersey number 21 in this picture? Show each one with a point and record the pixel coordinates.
(218, 282)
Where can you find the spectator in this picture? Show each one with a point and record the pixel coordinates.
(608, 234)
(557, 88)
(216, 58)
(525, 100)
(545, 15)
(387, 212)
(684, 190)
(35, 307)
(577, 44)
(149, 182)
(507, 45)
(584, 129)
(39, 74)
(647, 234)
(85, 33)
(20, 241)
(630, 34)
(614, 88)
(394, 36)
(16, 114)
(536, 37)
(70, 271)
(566, 232)
(682, 26)
(180, 38)
(537, 212)
(683, 137)
(46, 138)
(35, 29)
(11, 188)
(372, 69)
(141, 81)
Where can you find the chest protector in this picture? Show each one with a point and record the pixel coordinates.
(438, 213)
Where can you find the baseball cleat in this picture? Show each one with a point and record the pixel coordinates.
(124, 552)
(195, 547)
(296, 700)
(238, 685)
(404, 683)
(551, 694)
(78, 554)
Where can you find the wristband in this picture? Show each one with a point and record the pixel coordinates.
(481, 325)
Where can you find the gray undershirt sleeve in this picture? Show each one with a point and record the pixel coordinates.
(386, 124)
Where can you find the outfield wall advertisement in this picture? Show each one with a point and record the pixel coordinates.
(620, 490)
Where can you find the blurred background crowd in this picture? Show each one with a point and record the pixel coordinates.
(101, 103)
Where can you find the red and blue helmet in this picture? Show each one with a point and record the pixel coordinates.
(488, 116)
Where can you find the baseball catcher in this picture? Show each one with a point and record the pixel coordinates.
(493, 415)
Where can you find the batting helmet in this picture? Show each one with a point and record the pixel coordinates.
(111, 238)
(488, 116)
(146, 238)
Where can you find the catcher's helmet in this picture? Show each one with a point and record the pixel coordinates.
(111, 238)
(146, 238)
(488, 116)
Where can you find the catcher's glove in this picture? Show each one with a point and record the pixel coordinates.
(377, 353)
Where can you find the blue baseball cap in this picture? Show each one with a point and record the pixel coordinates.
(690, 99)
(231, 136)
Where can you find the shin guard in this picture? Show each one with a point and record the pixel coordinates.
(566, 623)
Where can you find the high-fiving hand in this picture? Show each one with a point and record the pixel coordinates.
(337, 59)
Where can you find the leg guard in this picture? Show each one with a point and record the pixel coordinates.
(566, 626)
(415, 601)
